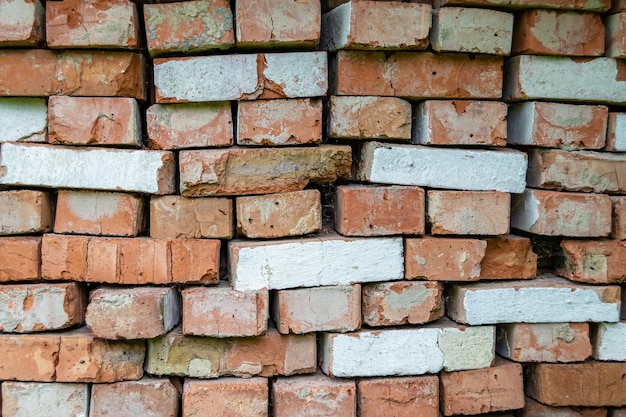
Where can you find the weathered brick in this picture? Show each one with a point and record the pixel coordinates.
(418, 75)
(181, 126)
(499, 387)
(608, 341)
(592, 5)
(556, 213)
(472, 30)
(148, 397)
(173, 216)
(397, 303)
(240, 77)
(20, 258)
(399, 397)
(260, 170)
(544, 342)
(364, 210)
(292, 213)
(25, 211)
(279, 122)
(615, 27)
(23, 119)
(366, 25)
(328, 260)
(70, 167)
(203, 357)
(330, 308)
(224, 312)
(593, 261)
(189, 27)
(444, 259)
(29, 399)
(483, 212)
(546, 299)
(313, 395)
(557, 125)
(619, 218)
(460, 122)
(508, 257)
(616, 133)
(533, 408)
(362, 117)
(22, 23)
(235, 397)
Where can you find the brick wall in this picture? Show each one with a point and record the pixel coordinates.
(292, 208)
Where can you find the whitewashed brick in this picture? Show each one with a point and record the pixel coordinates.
(295, 74)
(616, 135)
(462, 169)
(23, 119)
(546, 299)
(314, 262)
(33, 399)
(96, 169)
(608, 342)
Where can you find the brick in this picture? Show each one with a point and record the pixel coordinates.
(592, 5)
(608, 341)
(270, 75)
(444, 259)
(466, 169)
(615, 26)
(619, 218)
(141, 171)
(92, 24)
(23, 119)
(260, 170)
(328, 260)
(553, 32)
(585, 171)
(173, 216)
(224, 312)
(619, 412)
(418, 75)
(22, 23)
(551, 384)
(113, 121)
(617, 6)
(292, 213)
(98, 213)
(460, 122)
(39, 307)
(365, 25)
(460, 29)
(487, 390)
(277, 23)
(226, 396)
(371, 117)
(616, 133)
(484, 212)
(182, 126)
(279, 122)
(546, 299)
(133, 313)
(364, 210)
(557, 125)
(544, 342)
(129, 260)
(28, 399)
(305, 310)
(508, 257)
(25, 211)
(20, 258)
(593, 261)
(313, 395)
(189, 27)
(202, 357)
(399, 397)
(531, 77)
(397, 303)
(149, 397)
(556, 213)
(534, 409)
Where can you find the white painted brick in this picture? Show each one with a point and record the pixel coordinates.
(35, 399)
(409, 351)
(532, 77)
(616, 138)
(461, 169)
(608, 342)
(96, 169)
(314, 262)
(546, 299)
(23, 119)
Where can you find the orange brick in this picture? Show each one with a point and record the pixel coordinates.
(593, 261)
(314, 395)
(593, 5)
(146, 397)
(20, 258)
(234, 397)
(363, 210)
(22, 23)
(444, 259)
(508, 257)
(618, 230)
(534, 409)
(25, 211)
(615, 26)
(399, 397)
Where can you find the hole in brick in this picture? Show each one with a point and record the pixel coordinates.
(271, 226)
(471, 135)
(249, 220)
(277, 203)
(434, 72)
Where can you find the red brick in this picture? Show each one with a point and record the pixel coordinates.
(618, 230)
(92, 24)
(593, 261)
(479, 391)
(20, 258)
(25, 211)
(399, 397)
(444, 259)
(364, 210)
(279, 122)
(224, 312)
(615, 27)
(148, 397)
(234, 397)
(292, 213)
(593, 5)
(509, 257)
(418, 75)
(314, 395)
(534, 409)
(22, 23)
(619, 412)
